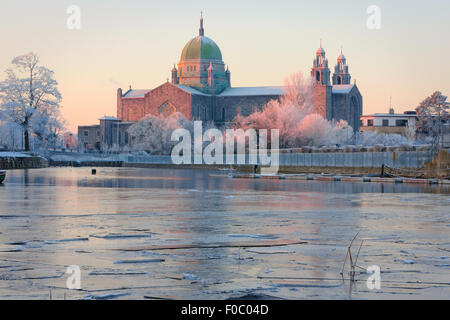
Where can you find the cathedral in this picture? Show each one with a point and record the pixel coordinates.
(200, 89)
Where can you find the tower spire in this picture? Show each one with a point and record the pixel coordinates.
(201, 31)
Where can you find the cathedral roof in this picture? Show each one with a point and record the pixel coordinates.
(201, 47)
(253, 91)
(130, 94)
(190, 90)
(342, 88)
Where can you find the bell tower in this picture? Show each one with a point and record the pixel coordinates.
(341, 74)
(320, 71)
(322, 91)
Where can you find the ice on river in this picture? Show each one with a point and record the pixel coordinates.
(184, 234)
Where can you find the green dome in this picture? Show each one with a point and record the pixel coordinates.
(201, 47)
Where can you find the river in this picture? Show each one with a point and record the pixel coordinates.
(193, 234)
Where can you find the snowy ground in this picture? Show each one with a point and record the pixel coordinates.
(13, 155)
(183, 234)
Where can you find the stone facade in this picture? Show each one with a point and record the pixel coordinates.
(89, 137)
(341, 100)
(109, 134)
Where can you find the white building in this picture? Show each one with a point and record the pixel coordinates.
(390, 122)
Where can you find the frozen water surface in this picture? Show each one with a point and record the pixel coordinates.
(181, 234)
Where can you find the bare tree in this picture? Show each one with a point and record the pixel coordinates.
(29, 94)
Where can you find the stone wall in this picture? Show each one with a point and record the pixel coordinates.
(23, 163)
(170, 94)
(394, 159)
(245, 104)
(201, 107)
(132, 109)
(440, 166)
(321, 99)
(92, 139)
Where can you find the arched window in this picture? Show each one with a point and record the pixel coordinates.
(339, 81)
(317, 75)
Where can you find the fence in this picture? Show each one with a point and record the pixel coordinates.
(394, 159)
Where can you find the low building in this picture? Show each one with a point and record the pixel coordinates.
(391, 123)
(108, 135)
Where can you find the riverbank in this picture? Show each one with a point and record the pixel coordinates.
(16, 160)
(337, 178)
(416, 163)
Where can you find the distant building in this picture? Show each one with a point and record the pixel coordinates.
(69, 141)
(391, 123)
(201, 89)
(110, 133)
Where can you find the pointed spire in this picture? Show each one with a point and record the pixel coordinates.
(201, 31)
(320, 51)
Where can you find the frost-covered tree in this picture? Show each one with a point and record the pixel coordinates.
(298, 122)
(10, 135)
(29, 95)
(374, 138)
(432, 113)
(153, 133)
(48, 128)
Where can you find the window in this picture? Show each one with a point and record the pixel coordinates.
(370, 122)
(385, 123)
(195, 68)
(86, 133)
(401, 123)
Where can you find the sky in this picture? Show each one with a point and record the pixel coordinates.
(136, 42)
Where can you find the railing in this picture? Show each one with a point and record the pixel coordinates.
(394, 159)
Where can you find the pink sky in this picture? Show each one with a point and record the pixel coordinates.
(136, 43)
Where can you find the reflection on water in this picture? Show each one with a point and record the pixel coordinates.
(54, 217)
(200, 180)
